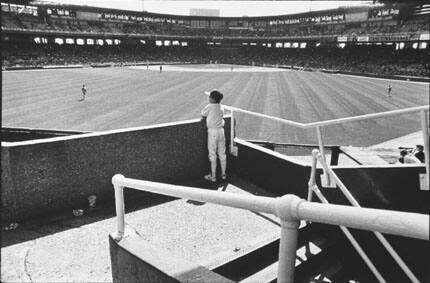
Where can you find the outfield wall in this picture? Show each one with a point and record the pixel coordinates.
(45, 176)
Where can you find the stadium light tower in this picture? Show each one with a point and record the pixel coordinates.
(143, 9)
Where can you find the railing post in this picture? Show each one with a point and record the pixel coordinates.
(425, 130)
(312, 180)
(119, 206)
(231, 130)
(287, 250)
(334, 160)
(321, 147)
(233, 149)
(286, 211)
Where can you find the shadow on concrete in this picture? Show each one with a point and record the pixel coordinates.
(65, 220)
(219, 185)
(255, 190)
(249, 187)
(134, 200)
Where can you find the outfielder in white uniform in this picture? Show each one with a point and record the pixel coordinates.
(214, 113)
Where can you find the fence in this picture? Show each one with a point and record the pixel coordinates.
(290, 209)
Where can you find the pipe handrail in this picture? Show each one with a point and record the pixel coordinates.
(289, 208)
(407, 224)
(333, 121)
(289, 122)
(318, 126)
(317, 156)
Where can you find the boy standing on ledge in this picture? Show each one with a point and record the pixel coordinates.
(214, 115)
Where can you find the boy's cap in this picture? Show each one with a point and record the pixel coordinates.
(215, 94)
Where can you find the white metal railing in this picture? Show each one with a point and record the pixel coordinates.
(290, 209)
(316, 156)
(314, 189)
(318, 126)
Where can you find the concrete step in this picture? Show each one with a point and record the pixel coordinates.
(259, 263)
(304, 254)
(267, 274)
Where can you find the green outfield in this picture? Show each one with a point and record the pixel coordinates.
(128, 97)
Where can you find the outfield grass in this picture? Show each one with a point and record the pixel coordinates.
(127, 97)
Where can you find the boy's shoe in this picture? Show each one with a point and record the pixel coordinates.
(224, 176)
(210, 178)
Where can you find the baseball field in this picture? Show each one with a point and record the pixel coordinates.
(123, 97)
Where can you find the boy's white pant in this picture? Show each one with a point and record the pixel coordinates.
(216, 144)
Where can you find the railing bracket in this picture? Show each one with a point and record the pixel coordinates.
(234, 150)
(331, 183)
(424, 184)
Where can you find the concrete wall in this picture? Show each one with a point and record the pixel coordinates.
(394, 187)
(270, 170)
(386, 187)
(135, 260)
(49, 175)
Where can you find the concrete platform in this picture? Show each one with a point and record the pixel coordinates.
(366, 156)
(65, 248)
(410, 140)
(386, 152)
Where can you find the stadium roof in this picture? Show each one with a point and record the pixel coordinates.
(229, 8)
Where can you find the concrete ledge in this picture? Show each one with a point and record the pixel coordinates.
(23, 134)
(49, 175)
(135, 260)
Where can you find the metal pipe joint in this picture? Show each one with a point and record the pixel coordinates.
(286, 208)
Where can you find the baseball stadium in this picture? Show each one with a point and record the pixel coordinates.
(318, 171)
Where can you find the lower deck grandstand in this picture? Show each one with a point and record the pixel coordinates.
(366, 59)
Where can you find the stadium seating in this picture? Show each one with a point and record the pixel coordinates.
(366, 59)
(376, 58)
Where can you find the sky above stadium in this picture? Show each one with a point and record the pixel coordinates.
(227, 8)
